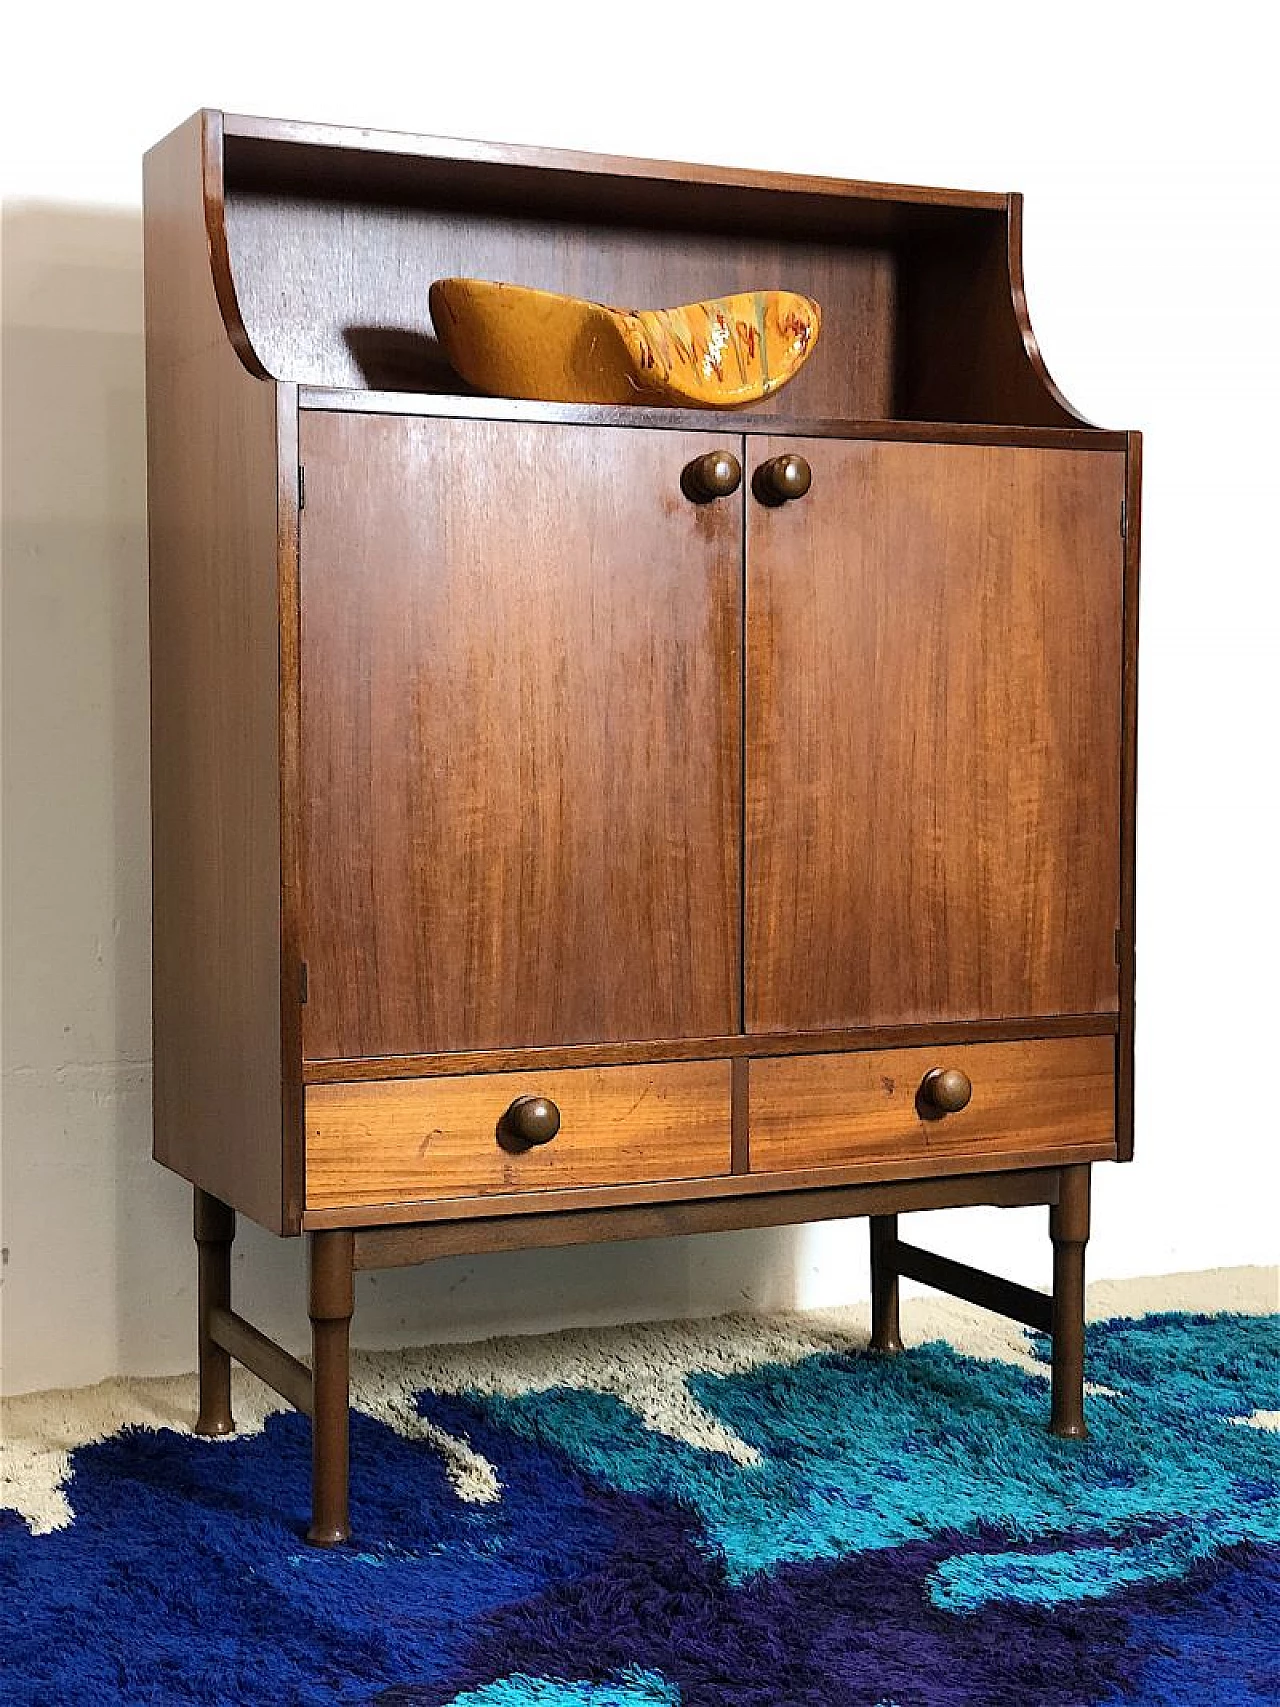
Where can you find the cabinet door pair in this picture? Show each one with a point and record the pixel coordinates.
(586, 761)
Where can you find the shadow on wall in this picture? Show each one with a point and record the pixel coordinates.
(100, 1271)
(75, 875)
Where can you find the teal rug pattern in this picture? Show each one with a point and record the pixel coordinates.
(736, 1512)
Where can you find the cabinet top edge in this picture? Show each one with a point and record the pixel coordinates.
(519, 157)
(325, 400)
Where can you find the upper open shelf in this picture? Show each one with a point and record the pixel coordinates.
(324, 242)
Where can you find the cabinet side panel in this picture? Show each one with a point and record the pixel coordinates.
(212, 480)
(1129, 803)
(966, 351)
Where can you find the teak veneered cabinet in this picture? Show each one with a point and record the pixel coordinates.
(549, 851)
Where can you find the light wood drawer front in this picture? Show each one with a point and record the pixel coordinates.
(829, 1111)
(394, 1141)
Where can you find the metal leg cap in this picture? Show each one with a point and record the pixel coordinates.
(327, 1535)
(214, 1425)
(1069, 1431)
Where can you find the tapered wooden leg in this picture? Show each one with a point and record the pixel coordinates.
(885, 1335)
(1069, 1230)
(215, 1228)
(332, 1301)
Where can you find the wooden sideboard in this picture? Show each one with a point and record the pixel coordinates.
(547, 853)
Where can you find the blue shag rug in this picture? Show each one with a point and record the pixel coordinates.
(752, 1511)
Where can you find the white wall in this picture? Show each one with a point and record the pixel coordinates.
(1148, 162)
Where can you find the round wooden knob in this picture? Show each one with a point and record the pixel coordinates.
(714, 475)
(782, 479)
(532, 1120)
(946, 1089)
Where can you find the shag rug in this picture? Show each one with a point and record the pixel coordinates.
(747, 1510)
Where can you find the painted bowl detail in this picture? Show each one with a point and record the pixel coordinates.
(512, 341)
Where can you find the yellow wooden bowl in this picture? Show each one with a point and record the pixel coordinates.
(511, 341)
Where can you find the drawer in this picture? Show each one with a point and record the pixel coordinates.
(835, 1111)
(397, 1140)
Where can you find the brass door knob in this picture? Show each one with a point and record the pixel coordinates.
(946, 1090)
(782, 479)
(531, 1120)
(715, 475)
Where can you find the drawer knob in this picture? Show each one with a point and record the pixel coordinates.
(531, 1120)
(946, 1090)
(715, 475)
(782, 479)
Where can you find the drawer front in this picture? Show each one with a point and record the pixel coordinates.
(396, 1141)
(832, 1111)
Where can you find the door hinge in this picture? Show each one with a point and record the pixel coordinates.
(303, 983)
(1117, 947)
(1124, 518)
(302, 487)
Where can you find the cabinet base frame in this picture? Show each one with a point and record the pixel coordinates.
(323, 1391)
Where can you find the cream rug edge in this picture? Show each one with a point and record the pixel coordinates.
(644, 1364)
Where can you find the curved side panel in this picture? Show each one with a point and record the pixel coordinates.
(967, 352)
(213, 176)
(221, 476)
(1018, 295)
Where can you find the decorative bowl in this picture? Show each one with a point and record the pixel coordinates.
(512, 341)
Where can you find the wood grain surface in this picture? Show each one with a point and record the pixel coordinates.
(336, 291)
(1129, 803)
(968, 352)
(343, 157)
(521, 703)
(337, 233)
(396, 1246)
(338, 401)
(933, 736)
(826, 1111)
(732, 1044)
(397, 1140)
(488, 726)
(213, 434)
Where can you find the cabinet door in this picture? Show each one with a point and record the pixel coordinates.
(521, 737)
(933, 736)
